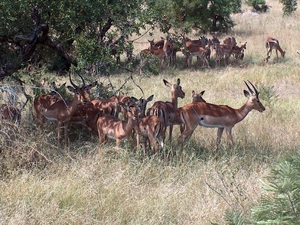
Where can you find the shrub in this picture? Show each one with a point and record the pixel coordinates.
(281, 203)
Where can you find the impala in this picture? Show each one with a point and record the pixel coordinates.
(10, 113)
(218, 116)
(151, 128)
(157, 44)
(202, 41)
(109, 106)
(198, 51)
(170, 51)
(152, 51)
(195, 48)
(113, 128)
(44, 101)
(229, 41)
(238, 52)
(166, 111)
(195, 98)
(223, 52)
(273, 43)
(62, 111)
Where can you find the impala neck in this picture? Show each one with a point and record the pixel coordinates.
(130, 124)
(174, 101)
(280, 49)
(72, 106)
(243, 111)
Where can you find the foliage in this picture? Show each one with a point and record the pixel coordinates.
(258, 5)
(289, 6)
(268, 95)
(234, 218)
(87, 30)
(281, 204)
(205, 15)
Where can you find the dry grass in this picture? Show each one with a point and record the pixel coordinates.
(89, 184)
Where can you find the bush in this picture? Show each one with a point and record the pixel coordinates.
(281, 204)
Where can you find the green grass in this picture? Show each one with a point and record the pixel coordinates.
(92, 184)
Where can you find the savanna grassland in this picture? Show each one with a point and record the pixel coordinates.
(92, 184)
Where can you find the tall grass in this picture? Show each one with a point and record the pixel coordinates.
(93, 184)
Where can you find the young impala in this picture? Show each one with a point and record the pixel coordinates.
(273, 43)
(218, 116)
(114, 128)
(166, 111)
(44, 101)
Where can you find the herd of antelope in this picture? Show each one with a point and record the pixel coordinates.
(103, 115)
(150, 125)
(228, 52)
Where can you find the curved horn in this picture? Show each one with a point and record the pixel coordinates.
(54, 86)
(74, 85)
(256, 92)
(83, 83)
(249, 88)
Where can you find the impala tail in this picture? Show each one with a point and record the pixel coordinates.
(160, 130)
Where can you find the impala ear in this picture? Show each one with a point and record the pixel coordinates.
(167, 83)
(246, 93)
(202, 93)
(150, 98)
(90, 86)
(70, 88)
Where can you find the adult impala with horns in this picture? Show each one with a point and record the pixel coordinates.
(218, 116)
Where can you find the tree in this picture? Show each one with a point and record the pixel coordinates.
(281, 203)
(80, 32)
(289, 6)
(206, 15)
(92, 34)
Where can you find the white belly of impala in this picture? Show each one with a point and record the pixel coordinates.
(202, 123)
(111, 137)
(50, 118)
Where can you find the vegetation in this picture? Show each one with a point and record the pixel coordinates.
(281, 206)
(93, 184)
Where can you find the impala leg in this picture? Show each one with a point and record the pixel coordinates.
(268, 54)
(66, 134)
(59, 125)
(153, 141)
(229, 135)
(186, 134)
(102, 138)
(137, 140)
(118, 142)
(170, 133)
(220, 132)
(145, 139)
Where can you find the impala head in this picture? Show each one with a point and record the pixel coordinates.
(176, 88)
(244, 46)
(253, 97)
(132, 110)
(142, 104)
(84, 90)
(77, 94)
(197, 97)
